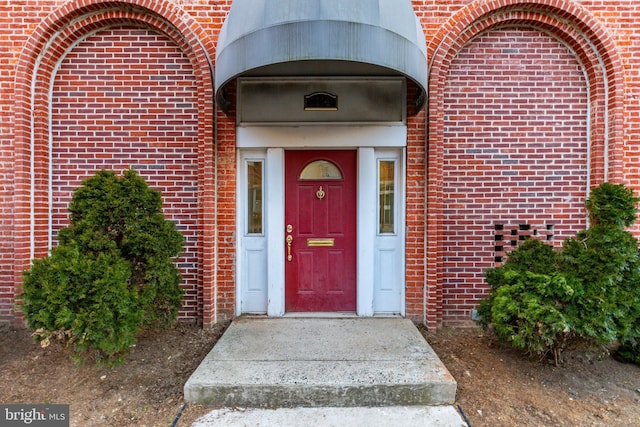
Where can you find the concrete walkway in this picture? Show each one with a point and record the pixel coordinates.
(408, 416)
(325, 371)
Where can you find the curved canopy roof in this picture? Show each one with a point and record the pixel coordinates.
(321, 38)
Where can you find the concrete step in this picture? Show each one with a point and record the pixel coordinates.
(310, 362)
(409, 416)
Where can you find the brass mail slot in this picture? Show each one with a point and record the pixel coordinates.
(320, 242)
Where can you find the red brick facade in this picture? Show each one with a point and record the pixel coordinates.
(530, 103)
(515, 153)
(126, 97)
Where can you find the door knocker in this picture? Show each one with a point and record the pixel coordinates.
(320, 193)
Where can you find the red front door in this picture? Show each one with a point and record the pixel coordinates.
(320, 235)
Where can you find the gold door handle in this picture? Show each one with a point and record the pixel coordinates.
(289, 241)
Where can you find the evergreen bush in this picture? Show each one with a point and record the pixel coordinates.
(612, 204)
(531, 256)
(605, 261)
(629, 352)
(112, 272)
(528, 301)
(588, 292)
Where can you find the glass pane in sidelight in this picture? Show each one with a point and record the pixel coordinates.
(254, 193)
(386, 196)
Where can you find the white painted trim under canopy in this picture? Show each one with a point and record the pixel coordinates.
(322, 136)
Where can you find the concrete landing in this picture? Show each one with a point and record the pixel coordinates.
(322, 363)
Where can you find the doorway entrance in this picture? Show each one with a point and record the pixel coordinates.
(347, 238)
(320, 231)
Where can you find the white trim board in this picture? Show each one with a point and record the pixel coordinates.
(321, 137)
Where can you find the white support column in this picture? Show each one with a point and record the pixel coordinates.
(366, 229)
(275, 231)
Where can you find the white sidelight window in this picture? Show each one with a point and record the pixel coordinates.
(252, 248)
(389, 277)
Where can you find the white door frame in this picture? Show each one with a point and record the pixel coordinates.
(269, 143)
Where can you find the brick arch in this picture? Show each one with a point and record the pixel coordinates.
(36, 69)
(594, 49)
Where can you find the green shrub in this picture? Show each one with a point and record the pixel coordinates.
(528, 299)
(84, 299)
(529, 313)
(612, 204)
(629, 352)
(531, 256)
(112, 272)
(588, 292)
(605, 260)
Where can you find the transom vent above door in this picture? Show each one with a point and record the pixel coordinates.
(321, 100)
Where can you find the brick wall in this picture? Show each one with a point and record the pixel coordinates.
(35, 36)
(102, 86)
(126, 98)
(415, 209)
(515, 153)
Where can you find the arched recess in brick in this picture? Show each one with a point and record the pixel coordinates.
(37, 68)
(593, 48)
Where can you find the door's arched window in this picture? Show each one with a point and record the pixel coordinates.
(320, 169)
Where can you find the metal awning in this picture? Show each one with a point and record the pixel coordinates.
(321, 38)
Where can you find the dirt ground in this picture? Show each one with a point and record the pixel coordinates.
(499, 386)
(496, 386)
